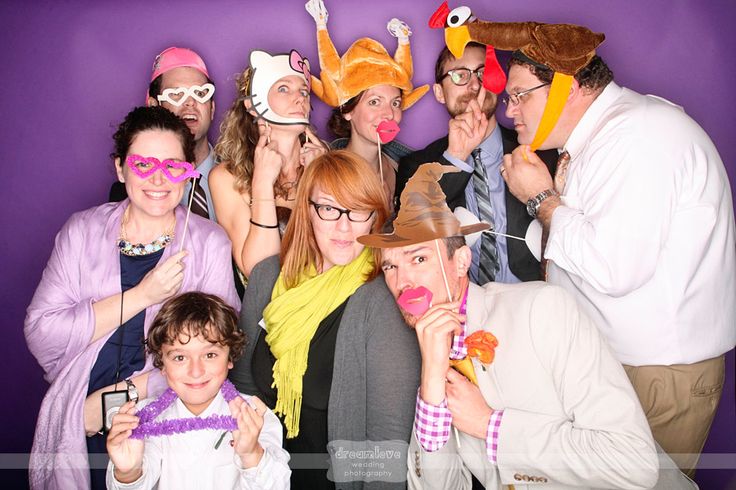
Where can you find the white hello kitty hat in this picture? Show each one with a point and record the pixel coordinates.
(267, 70)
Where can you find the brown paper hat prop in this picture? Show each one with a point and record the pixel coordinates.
(424, 214)
(364, 65)
(563, 48)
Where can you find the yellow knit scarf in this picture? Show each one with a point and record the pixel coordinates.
(292, 318)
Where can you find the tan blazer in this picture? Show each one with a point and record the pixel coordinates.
(571, 418)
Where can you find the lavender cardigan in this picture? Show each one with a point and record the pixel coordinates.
(85, 267)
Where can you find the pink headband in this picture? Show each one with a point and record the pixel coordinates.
(174, 57)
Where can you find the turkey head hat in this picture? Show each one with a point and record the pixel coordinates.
(563, 48)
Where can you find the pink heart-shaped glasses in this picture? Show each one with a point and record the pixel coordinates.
(173, 170)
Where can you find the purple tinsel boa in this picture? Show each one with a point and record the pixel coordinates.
(148, 428)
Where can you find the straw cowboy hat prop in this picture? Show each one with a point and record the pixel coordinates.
(563, 48)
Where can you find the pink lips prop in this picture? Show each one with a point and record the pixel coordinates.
(415, 301)
(387, 131)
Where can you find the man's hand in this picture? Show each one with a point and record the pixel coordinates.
(470, 412)
(125, 453)
(250, 422)
(525, 173)
(434, 333)
(467, 130)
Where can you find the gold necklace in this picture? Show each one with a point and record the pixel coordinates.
(137, 249)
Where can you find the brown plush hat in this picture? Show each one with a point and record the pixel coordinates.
(424, 214)
(364, 65)
(565, 48)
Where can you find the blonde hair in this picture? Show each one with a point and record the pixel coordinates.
(354, 184)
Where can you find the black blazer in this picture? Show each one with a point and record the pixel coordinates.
(521, 261)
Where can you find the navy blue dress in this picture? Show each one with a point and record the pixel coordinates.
(122, 355)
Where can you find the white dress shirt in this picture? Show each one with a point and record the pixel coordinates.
(190, 460)
(644, 239)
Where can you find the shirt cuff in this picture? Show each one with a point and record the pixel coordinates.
(492, 435)
(458, 163)
(432, 424)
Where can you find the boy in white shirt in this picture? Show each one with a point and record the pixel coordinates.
(200, 433)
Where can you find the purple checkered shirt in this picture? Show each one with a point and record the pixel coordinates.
(432, 423)
(458, 349)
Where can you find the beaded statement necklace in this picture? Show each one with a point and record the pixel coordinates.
(148, 428)
(133, 250)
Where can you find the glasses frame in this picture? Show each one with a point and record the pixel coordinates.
(346, 212)
(515, 99)
(478, 72)
(165, 166)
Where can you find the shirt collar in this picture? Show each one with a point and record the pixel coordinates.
(207, 164)
(491, 148)
(584, 129)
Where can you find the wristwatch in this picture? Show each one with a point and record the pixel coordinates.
(132, 390)
(532, 205)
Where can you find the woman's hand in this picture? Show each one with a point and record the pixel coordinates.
(93, 412)
(250, 422)
(311, 149)
(163, 281)
(125, 453)
(267, 161)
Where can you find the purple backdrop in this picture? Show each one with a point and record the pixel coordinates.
(73, 69)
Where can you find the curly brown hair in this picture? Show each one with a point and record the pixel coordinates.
(195, 314)
(236, 145)
(142, 119)
(593, 76)
(337, 124)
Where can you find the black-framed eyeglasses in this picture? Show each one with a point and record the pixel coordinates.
(461, 76)
(515, 99)
(328, 212)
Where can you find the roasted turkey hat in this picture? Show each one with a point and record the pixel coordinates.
(364, 65)
(424, 214)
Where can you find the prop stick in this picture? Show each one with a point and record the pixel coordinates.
(442, 268)
(504, 234)
(449, 298)
(186, 220)
(380, 160)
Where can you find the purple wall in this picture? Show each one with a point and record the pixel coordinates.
(73, 69)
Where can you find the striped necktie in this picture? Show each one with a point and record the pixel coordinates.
(488, 259)
(563, 161)
(199, 200)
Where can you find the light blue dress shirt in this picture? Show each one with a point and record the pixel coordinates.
(491, 153)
